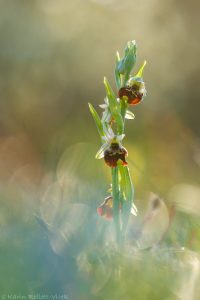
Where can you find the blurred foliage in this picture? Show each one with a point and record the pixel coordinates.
(53, 57)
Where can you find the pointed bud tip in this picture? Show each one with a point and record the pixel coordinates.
(117, 56)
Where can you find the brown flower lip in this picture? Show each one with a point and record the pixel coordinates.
(114, 153)
(105, 210)
(132, 93)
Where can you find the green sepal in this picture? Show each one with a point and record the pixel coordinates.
(140, 72)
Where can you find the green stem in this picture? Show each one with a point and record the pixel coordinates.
(115, 194)
(124, 106)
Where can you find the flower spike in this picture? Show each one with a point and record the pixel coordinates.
(131, 91)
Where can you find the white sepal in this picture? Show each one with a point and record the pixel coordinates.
(119, 138)
(104, 106)
(100, 153)
(129, 115)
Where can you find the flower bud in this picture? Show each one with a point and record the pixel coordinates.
(125, 65)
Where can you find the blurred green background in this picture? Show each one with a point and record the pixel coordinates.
(53, 57)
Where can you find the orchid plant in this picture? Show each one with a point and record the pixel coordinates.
(130, 91)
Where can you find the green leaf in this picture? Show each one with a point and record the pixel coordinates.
(110, 94)
(127, 191)
(114, 106)
(96, 119)
(115, 195)
(117, 73)
(120, 123)
(122, 179)
(125, 183)
(129, 115)
(129, 185)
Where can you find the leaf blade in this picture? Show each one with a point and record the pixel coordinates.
(97, 120)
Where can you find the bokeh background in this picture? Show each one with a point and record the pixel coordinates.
(53, 57)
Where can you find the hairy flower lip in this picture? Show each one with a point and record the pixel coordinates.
(134, 91)
(133, 94)
(114, 153)
(106, 208)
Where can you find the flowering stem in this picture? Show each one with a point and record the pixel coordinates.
(131, 90)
